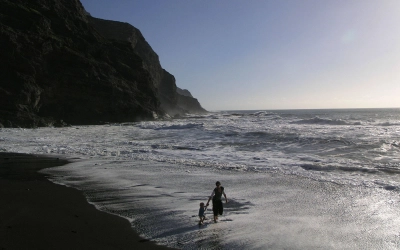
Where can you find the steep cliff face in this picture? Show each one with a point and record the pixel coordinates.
(120, 31)
(171, 100)
(56, 68)
(184, 92)
(186, 102)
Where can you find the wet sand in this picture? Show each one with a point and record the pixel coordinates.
(38, 214)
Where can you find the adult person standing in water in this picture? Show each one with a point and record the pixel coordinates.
(216, 197)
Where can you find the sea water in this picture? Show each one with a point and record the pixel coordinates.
(295, 179)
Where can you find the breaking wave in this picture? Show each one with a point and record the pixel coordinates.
(157, 126)
(389, 124)
(321, 121)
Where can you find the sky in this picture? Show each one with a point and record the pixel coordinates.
(272, 54)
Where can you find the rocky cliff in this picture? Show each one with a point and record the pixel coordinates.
(172, 101)
(56, 67)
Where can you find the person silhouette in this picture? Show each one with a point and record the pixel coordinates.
(216, 197)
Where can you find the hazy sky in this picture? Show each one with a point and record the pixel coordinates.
(272, 54)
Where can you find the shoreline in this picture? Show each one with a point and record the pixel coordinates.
(36, 213)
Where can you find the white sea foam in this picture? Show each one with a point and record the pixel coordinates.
(265, 210)
(281, 168)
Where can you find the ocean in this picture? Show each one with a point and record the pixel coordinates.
(295, 179)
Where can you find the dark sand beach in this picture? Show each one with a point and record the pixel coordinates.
(38, 214)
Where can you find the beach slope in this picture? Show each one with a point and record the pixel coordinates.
(38, 214)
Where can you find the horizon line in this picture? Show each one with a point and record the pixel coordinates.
(287, 109)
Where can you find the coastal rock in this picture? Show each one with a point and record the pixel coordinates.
(56, 68)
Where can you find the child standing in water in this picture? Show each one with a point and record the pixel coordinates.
(201, 213)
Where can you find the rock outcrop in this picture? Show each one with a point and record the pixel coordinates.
(57, 68)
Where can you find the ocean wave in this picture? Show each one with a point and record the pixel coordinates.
(330, 168)
(259, 134)
(185, 148)
(157, 126)
(182, 126)
(391, 169)
(318, 167)
(387, 186)
(387, 124)
(256, 137)
(175, 147)
(322, 121)
(263, 113)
